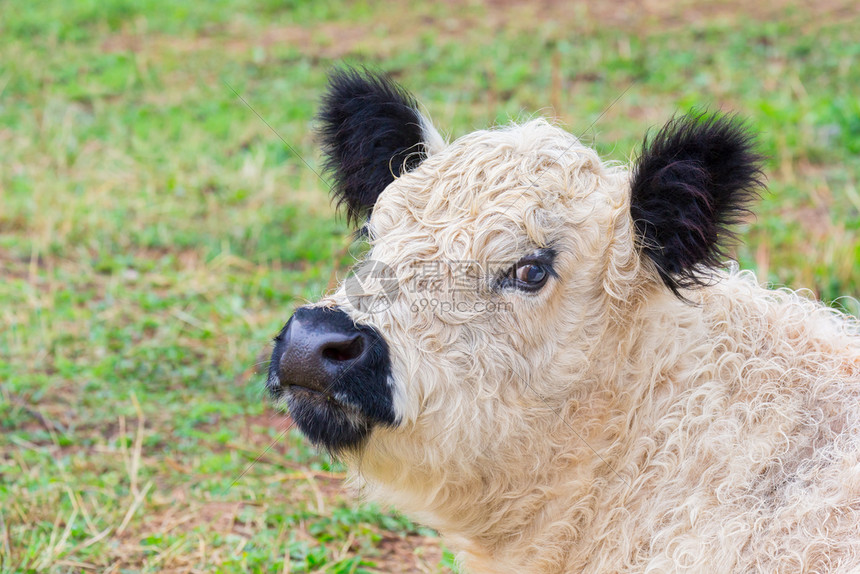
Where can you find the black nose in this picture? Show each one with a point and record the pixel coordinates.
(334, 376)
(317, 346)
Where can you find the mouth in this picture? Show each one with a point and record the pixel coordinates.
(311, 393)
(326, 421)
(320, 399)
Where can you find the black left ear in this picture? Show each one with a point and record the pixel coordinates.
(371, 132)
(694, 180)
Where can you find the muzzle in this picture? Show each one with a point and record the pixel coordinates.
(334, 375)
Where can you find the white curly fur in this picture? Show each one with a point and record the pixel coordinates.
(601, 424)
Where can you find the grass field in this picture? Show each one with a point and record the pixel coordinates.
(155, 233)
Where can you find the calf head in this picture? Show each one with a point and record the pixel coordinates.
(502, 269)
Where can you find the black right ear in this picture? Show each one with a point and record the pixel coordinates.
(371, 132)
(694, 180)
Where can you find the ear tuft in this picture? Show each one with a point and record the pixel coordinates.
(371, 131)
(694, 179)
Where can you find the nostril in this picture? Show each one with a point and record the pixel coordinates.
(343, 350)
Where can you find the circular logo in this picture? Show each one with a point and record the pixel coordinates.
(371, 287)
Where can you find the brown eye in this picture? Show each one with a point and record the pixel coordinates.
(531, 275)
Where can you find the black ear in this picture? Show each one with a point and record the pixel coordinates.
(371, 132)
(694, 180)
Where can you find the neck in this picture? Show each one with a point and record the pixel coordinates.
(579, 459)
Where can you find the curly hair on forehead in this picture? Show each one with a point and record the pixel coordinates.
(611, 397)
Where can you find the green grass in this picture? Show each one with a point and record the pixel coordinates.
(155, 233)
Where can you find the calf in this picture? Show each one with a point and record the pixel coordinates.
(543, 357)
